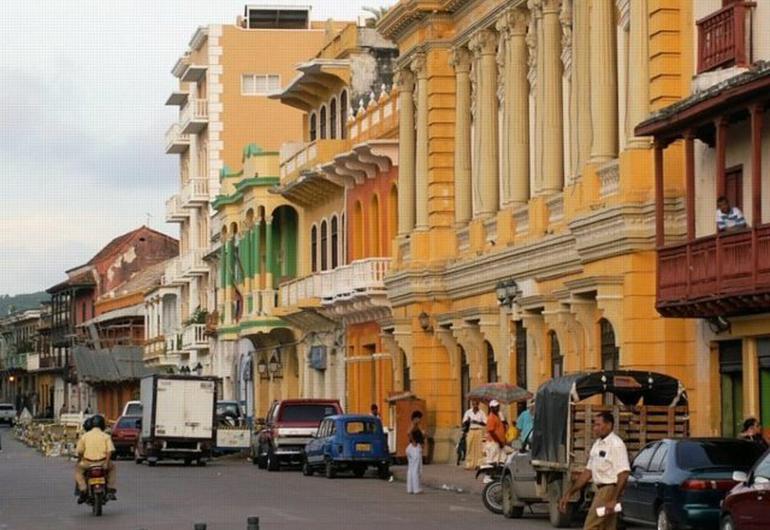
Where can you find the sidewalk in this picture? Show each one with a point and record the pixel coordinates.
(446, 477)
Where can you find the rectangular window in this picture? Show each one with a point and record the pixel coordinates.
(260, 84)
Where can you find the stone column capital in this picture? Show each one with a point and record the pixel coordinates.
(419, 66)
(535, 7)
(551, 6)
(460, 59)
(405, 80)
(513, 22)
(483, 42)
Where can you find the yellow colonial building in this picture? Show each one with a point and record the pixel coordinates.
(526, 240)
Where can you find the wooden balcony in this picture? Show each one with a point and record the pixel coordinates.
(721, 275)
(723, 39)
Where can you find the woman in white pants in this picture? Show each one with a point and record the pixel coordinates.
(414, 459)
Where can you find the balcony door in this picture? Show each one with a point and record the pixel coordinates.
(731, 378)
(734, 186)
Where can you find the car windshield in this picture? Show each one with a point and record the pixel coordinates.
(128, 423)
(361, 427)
(228, 408)
(734, 454)
(306, 413)
(6, 407)
(134, 409)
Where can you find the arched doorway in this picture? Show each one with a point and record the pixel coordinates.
(610, 352)
(465, 378)
(557, 359)
(406, 375)
(283, 261)
(492, 375)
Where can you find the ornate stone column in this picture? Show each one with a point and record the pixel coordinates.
(484, 47)
(638, 107)
(460, 60)
(604, 81)
(513, 32)
(552, 123)
(406, 206)
(419, 67)
(581, 84)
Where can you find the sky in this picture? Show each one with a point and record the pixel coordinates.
(82, 122)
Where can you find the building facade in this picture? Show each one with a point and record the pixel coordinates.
(713, 143)
(19, 359)
(526, 238)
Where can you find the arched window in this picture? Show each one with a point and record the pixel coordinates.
(324, 248)
(610, 352)
(314, 248)
(406, 376)
(344, 114)
(313, 127)
(557, 360)
(333, 119)
(374, 227)
(521, 355)
(392, 214)
(335, 243)
(357, 230)
(465, 378)
(344, 237)
(323, 122)
(492, 376)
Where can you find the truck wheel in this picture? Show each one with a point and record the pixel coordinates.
(557, 518)
(306, 469)
(331, 471)
(152, 462)
(273, 464)
(359, 471)
(510, 509)
(383, 471)
(201, 462)
(188, 461)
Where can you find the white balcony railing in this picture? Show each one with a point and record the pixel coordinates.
(194, 116)
(174, 211)
(361, 278)
(192, 263)
(176, 141)
(194, 192)
(194, 337)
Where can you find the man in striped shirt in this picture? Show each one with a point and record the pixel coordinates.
(728, 218)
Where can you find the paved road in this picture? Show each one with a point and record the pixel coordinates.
(36, 494)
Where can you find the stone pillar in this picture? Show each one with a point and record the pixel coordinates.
(192, 232)
(269, 253)
(484, 47)
(581, 84)
(406, 206)
(460, 60)
(420, 69)
(638, 107)
(604, 81)
(553, 135)
(513, 30)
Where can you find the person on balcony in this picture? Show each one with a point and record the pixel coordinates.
(728, 217)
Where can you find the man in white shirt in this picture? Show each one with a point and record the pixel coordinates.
(476, 420)
(729, 217)
(608, 468)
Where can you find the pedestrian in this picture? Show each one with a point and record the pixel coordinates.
(375, 410)
(729, 218)
(525, 421)
(752, 431)
(414, 460)
(608, 468)
(477, 421)
(495, 434)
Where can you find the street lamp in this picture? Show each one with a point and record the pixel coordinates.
(275, 365)
(262, 369)
(506, 292)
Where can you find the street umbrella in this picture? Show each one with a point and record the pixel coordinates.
(502, 392)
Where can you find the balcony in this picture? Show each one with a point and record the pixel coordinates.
(174, 211)
(194, 337)
(361, 279)
(194, 116)
(721, 275)
(162, 351)
(173, 273)
(195, 193)
(176, 141)
(296, 161)
(723, 39)
(192, 263)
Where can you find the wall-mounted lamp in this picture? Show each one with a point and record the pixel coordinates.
(262, 369)
(506, 292)
(275, 366)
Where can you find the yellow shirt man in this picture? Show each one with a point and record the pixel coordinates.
(95, 445)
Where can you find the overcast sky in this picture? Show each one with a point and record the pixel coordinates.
(82, 122)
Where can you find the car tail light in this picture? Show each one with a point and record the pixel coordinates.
(705, 485)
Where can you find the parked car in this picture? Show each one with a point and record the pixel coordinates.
(132, 408)
(681, 483)
(747, 506)
(7, 413)
(348, 442)
(229, 412)
(289, 426)
(125, 433)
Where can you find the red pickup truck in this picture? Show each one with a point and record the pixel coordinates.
(289, 425)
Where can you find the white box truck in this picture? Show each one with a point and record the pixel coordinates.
(178, 418)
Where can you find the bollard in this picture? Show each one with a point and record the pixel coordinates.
(252, 523)
(200, 526)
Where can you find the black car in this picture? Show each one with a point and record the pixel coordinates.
(681, 483)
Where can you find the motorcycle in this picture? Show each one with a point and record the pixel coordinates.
(492, 496)
(96, 493)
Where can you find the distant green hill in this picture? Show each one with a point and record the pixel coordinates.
(10, 304)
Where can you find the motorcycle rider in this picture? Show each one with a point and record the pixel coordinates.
(95, 448)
